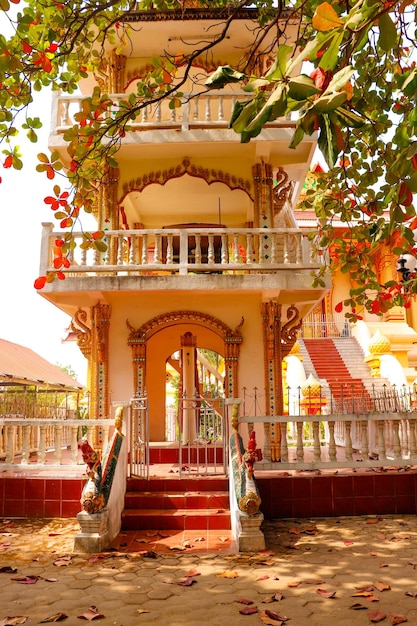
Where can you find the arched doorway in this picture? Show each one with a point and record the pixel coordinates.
(186, 331)
(207, 384)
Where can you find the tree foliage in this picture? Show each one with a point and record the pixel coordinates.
(358, 94)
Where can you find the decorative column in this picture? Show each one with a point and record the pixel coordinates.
(188, 414)
(100, 323)
(116, 74)
(263, 206)
(231, 359)
(278, 339)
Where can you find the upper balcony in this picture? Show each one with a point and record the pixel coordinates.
(188, 257)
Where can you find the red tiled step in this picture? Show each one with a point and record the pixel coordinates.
(181, 519)
(176, 500)
(329, 365)
(173, 503)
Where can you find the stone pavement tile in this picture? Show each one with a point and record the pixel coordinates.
(305, 562)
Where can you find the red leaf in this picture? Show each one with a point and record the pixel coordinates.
(60, 275)
(397, 618)
(8, 161)
(91, 614)
(26, 47)
(40, 282)
(339, 307)
(50, 172)
(249, 610)
(244, 601)
(326, 594)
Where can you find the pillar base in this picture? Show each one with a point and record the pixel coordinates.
(251, 538)
(94, 536)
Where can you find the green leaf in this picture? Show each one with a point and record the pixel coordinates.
(327, 141)
(349, 118)
(325, 104)
(297, 137)
(340, 79)
(388, 35)
(302, 87)
(329, 59)
(279, 68)
(222, 76)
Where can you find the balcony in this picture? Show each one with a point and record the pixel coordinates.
(182, 251)
(208, 110)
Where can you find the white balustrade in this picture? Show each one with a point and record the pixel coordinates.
(51, 442)
(186, 250)
(298, 451)
(211, 109)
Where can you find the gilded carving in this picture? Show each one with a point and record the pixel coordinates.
(210, 175)
(137, 339)
(281, 190)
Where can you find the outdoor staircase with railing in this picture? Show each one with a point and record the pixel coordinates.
(197, 503)
(340, 363)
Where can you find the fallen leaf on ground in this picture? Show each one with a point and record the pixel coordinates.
(91, 614)
(357, 606)
(4, 546)
(224, 539)
(200, 539)
(277, 597)
(244, 601)
(294, 583)
(376, 616)
(26, 580)
(249, 610)
(397, 618)
(149, 554)
(7, 569)
(372, 521)
(187, 582)
(264, 577)
(380, 586)
(13, 621)
(228, 574)
(413, 594)
(326, 594)
(271, 618)
(372, 598)
(62, 561)
(373, 554)
(348, 543)
(140, 611)
(58, 617)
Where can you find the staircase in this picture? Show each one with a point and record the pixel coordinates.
(196, 503)
(325, 357)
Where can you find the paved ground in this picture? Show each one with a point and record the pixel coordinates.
(322, 572)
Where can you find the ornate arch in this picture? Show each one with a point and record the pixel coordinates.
(139, 337)
(210, 175)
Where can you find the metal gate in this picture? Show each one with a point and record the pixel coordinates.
(203, 436)
(139, 437)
